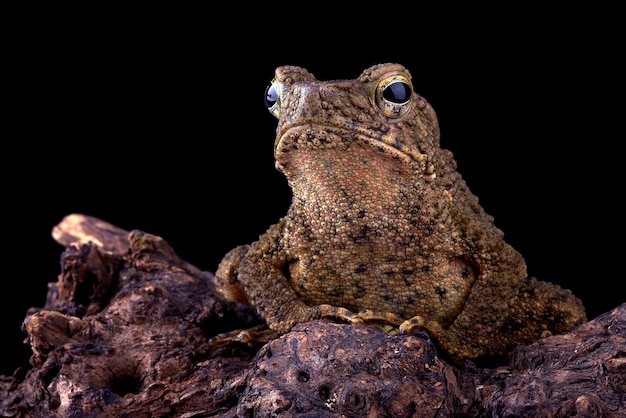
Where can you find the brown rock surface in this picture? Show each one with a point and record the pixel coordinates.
(125, 332)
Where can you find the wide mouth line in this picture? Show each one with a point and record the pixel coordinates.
(341, 131)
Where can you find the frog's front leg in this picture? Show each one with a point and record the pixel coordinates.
(253, 274)
(270, 293)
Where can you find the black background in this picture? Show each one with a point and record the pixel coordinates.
(154, 119)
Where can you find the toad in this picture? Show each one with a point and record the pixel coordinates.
(382, 227)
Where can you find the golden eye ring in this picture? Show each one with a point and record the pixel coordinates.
(393, 95)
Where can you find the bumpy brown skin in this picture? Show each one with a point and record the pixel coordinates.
(382, 225)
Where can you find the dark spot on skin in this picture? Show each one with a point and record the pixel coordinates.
(386, 297)
(360, 236)
(441, 292)
(407, 271)
(388, 273)
(509, 327)
(361, 214)
(466, 273)
(347, 219)
(360, 291)
(361, 268)
(347, 194)
(335, 291)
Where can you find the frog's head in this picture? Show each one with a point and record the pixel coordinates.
(379, 108)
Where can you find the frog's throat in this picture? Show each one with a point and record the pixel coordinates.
(309, 136)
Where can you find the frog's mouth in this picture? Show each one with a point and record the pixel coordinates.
(314, 137)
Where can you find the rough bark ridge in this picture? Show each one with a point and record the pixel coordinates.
(125, 332)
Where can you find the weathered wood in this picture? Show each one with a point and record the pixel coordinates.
(125, 331)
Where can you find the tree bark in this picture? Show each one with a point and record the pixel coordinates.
(126, 328)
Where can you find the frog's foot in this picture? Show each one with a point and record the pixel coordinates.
(411, 325)
(416, 323)
(338, 312)
(386, 321)
(259, 334)
(370, 315)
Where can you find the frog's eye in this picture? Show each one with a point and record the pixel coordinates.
(272, 98)
(393, 95)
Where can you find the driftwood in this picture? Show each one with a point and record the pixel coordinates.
(126, 329)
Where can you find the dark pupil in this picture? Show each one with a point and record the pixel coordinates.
(397, 92)
(271, 96)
